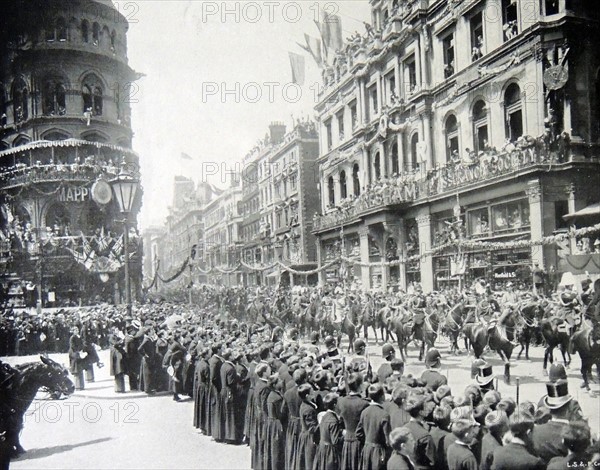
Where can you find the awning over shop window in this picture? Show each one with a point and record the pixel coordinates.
(591, 211)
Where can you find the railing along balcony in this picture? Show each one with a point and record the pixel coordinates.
(448, 179)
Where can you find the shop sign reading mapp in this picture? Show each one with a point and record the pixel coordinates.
(73, 194)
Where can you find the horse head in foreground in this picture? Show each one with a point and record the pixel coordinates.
(18, 391)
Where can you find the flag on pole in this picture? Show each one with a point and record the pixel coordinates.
(185, 156)
(334, 23)
(297, 63)
(313, 46)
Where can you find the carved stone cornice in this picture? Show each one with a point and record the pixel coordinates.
(534, 192)
(423, 220)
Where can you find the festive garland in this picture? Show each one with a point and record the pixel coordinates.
(177, 274)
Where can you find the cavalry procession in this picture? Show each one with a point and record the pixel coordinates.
(288, 372)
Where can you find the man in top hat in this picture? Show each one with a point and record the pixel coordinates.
(432, 377)
(515, 455)
(558, 372)
(545, 442)
(485, 378)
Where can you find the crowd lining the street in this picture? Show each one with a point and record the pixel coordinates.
(304, 405)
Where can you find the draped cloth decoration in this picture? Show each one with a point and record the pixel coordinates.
(177, 274)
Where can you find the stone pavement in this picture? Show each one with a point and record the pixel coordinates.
(99, 429)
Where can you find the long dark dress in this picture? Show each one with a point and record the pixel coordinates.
(292, 434)
(214, 364)
(307, 444)
(373, 429)
(149, 364)
(201, 378)
(350, 409)
(227, 398)
(241, 402)
(118, 362)
(257, 440)
(274, 450)
(329, 452)
(76, 363)
(250, 418)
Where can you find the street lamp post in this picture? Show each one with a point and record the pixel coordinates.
(125, 187)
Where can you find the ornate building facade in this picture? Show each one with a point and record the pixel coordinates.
(281, 196)
(457, 119)
(65, 132)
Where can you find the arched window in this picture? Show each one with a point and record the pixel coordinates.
(395, 161)
(513, 117)
(98, 105)
(105, 37)
(96, 34)
(85, 31)
(331, 191)
(20, 98)
(56, 135)
(480, 126)
(343, 189)
(414, 155)
(356, 179)
(377, 166)
(2, 106)
(54, 98)
(91, 91)
(21, 140)
(113, 40)
(94, 137)
(451, 133)
(61, 29)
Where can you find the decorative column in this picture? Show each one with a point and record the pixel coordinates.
(427, 138)
(402, 252)
(536, 219)
(365, 270)
(424, 223)
(320, 262)
(576, 202)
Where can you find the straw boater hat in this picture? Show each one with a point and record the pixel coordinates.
(484, 375)
(558, 394)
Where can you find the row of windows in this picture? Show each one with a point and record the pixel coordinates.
(54, 98)
(89, 33)
(513, 123)
(343, 187)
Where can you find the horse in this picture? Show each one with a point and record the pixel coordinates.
(401, 325)
(453, 324)
(426, 333)
(554, 335)
(19, 391)
(527, 327)
(480, 336)
(586, 342)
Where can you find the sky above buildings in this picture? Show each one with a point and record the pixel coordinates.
(216, 75)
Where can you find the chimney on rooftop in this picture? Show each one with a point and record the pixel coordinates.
(277, 131)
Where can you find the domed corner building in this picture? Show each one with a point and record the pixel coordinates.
(65, 134)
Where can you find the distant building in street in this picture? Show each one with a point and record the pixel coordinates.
(281, 196)
(472, 120)
(65, 131)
